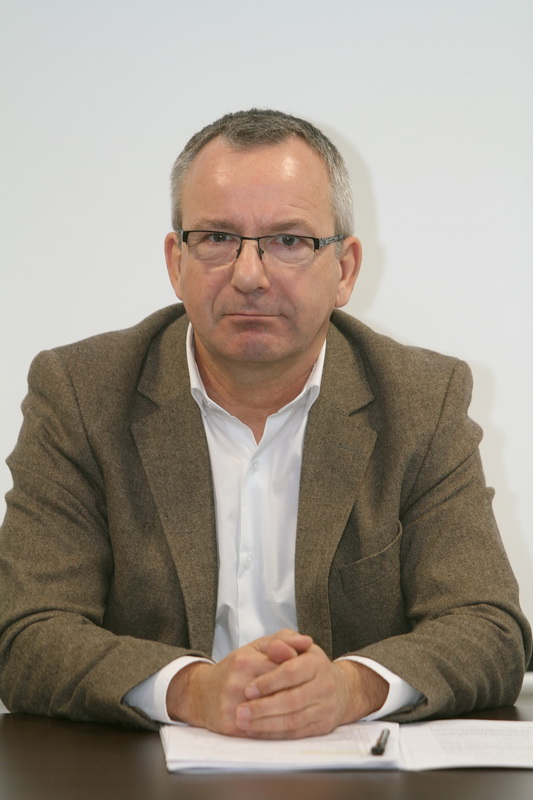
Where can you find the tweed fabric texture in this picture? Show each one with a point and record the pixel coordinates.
(108, 558)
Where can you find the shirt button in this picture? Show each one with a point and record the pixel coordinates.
(255, 465)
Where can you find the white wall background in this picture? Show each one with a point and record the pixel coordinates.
(430, 100)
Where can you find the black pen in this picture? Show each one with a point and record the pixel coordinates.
(379, 748)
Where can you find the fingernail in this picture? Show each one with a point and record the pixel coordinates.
(251, 692)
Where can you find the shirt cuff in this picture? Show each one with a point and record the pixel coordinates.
(400, 693)
(150, 696)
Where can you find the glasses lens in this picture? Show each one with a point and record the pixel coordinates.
(214, 248)
(288, 249)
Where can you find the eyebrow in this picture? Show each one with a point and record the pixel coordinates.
(228, 226)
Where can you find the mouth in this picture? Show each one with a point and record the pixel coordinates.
(250, 314)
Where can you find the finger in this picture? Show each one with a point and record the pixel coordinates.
(279, 651)
(281, 646)
(279, 704)
(214, 691)
(292, 672)
(276, 713)
(300, 641)
(312, 720)
(244, 665)
(316, 727)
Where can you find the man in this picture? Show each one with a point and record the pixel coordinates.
(250, 512)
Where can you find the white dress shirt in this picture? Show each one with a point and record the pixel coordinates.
(256, 488)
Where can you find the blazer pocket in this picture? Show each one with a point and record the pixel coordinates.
(372, 568)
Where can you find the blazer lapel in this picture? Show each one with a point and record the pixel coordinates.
(338, 444)
(173, 449)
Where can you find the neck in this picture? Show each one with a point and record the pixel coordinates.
(252, 392)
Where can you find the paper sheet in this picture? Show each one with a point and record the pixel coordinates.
(466, 743)
(442, 744)
(348, 747)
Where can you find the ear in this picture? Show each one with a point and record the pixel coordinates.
(350, 262)
(173, 259)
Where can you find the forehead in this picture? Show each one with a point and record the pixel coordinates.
(254, 181)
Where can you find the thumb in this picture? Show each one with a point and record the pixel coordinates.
(279, 651)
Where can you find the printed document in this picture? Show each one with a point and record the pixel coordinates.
(441, 744)
(466, 743)
(348, 747)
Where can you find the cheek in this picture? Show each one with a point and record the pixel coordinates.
(322, 287)
(200, 291)
(185, 283)
(176, 285)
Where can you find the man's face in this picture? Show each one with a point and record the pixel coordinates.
(248, 311)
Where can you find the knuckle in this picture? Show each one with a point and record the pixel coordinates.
(262, 684)
(293, 667)
(287, 632)
(240, 659)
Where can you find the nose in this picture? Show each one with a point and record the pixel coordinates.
(249, 273)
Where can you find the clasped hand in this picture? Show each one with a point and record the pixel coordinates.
(281, 686)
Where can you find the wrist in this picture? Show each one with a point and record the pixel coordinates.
(183, 697)
(364, 691)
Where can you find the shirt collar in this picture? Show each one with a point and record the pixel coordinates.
(306, 397)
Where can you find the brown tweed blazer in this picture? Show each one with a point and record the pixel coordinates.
(108, 558)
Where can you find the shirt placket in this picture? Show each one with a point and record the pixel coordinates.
(249, 573)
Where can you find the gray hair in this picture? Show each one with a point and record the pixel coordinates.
(244, 129)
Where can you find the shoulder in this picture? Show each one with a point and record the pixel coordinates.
(404, 380)
(116, 350)
(388, 362)
(106, 369)
(123, 344)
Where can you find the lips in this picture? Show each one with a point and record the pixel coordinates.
(252, 314)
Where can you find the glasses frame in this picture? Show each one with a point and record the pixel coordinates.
(318, 242)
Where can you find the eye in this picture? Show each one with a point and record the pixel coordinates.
(219, 238)
(287, 240)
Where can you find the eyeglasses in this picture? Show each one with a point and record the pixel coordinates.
(218, 249)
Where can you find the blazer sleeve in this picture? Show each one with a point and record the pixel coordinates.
(56, 561)
(468, 641)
